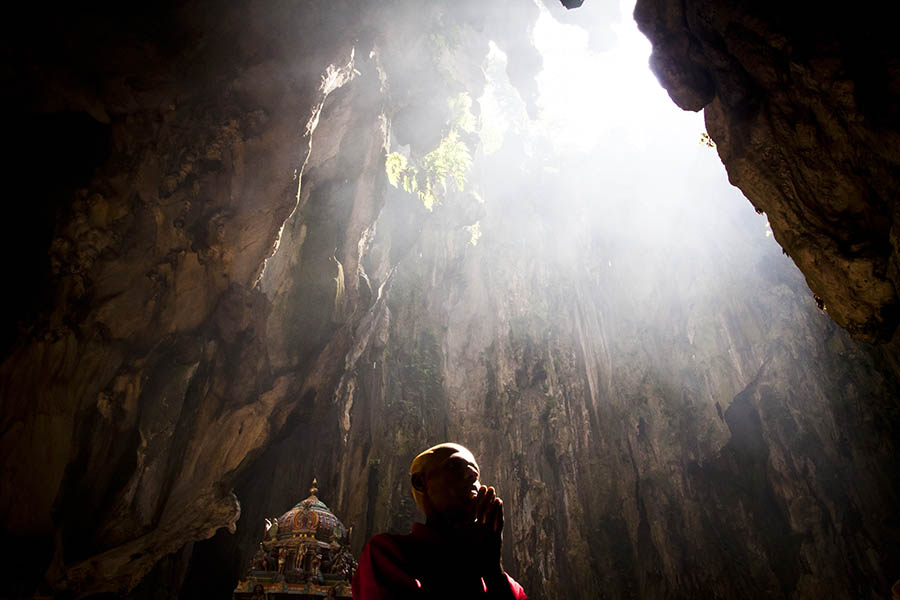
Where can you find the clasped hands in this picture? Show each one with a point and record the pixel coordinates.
(486, 531)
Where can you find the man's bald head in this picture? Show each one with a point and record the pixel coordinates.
(443, 477)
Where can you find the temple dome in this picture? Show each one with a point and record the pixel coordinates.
(311, 518)
(305, 552)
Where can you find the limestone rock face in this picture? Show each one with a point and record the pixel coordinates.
(181, 295)
(653, 435)
(225, 297)
(803, 106)
(141, 380)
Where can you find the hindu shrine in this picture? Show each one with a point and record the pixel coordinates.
(305, 553)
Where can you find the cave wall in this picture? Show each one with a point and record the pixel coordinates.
(234, 300)
(802, 104)
(141, 384)
(652, 436)
(156, 349)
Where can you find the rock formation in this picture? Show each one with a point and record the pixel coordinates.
(803, 106)
(236, 299)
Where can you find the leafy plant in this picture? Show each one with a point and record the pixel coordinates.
(400, 172)
(451, 160)
(474, 232)
(461, 117)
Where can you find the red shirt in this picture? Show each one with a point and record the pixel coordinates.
(423, 564)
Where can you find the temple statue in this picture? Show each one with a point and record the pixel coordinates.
(272, 528)
(258, 562)
(304, 552)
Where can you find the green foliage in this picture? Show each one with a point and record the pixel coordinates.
(461, 117)
(395, 165)
(400, 173)
(451, 160)
(474, 232)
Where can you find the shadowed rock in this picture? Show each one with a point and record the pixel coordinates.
(803, 105)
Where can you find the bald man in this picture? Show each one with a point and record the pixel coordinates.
(456, 553)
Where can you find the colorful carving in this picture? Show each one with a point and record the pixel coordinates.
(304, 551)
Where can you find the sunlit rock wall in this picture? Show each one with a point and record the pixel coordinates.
(153, 350)
(235, 300)
(803, 105)
(662, 422)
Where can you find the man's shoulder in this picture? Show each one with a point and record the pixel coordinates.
(387, 539)
(384, 568)
(391, 543)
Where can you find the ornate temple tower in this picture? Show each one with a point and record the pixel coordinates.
(305, 553)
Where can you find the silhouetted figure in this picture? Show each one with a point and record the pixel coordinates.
(456, 553)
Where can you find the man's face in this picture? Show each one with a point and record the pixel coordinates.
(452, 484)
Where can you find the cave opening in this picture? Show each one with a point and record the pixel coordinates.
(304, 241)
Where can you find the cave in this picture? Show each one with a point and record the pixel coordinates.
(251, 245)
